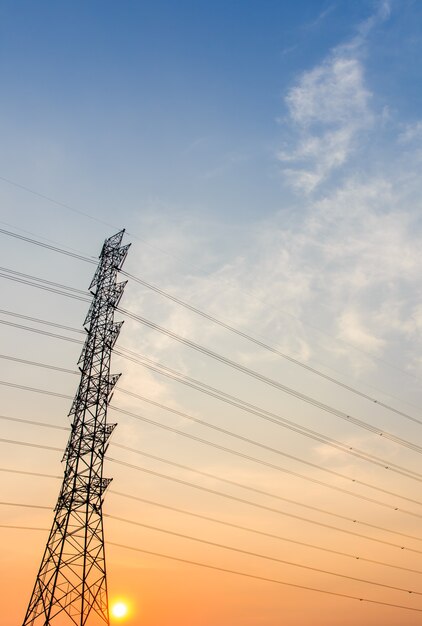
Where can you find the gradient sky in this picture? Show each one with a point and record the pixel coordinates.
(265, 160)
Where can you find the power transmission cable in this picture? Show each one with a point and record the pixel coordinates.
(219, 322)
(288, 500)
(15, 527)
(240, 454)
(221, 569)
(91, 260)
(271, 465)
(365, 456)
(224, 360)
(26, 506)
(64, 205)
(40, 321)
(254, 504)
(37, 364)
(251, 408)
(35, 390)
(381, 462)
(263, 345)
(44, 287)
(248, 457)
(40, 332)
(228, 524)
(46, 242)
(44, 281)
(235, 498)
(263, 492)
(259, 555)
(254, 374)
(260, 532)
(230, 548)
(20, 420)
(240, 573)
(130, 355)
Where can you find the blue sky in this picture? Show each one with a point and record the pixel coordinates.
(265, 159)
(179, 102)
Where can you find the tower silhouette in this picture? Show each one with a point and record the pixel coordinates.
(71, 585)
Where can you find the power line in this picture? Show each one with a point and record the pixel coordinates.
(44, 281)
(250, 458)
(44, 287)
(369, 458)
(264, 345)
(237, 499)
(136, 279)
(35, 390)
(41, 321)
(239, 367)
(239, 573)
(381, 462)
(35, 363)
(253, 409)
(259, 555)
(213, 318)
(272, 465)
(255, 504)
(254, 374)
(228, 524)
(40, 332)
(265, 579)
(230, 548)
(261, 532)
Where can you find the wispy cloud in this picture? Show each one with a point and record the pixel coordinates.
(328, 109)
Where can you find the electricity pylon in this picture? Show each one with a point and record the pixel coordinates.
(71, 585)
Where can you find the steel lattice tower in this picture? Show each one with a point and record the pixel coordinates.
(71, 585)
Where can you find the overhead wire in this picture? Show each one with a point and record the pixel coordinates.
(233, 364)
(250, 553)
(262, 344)
(236, 498)
(248, 457)
(202, 441)
(397, 469)
(365, 456)
(17, 279)
(211, 317)
(91, 260)
(30, 318)
(208, 518)
(254, 374)
(203, 388)
(263, 578)
(215, 544)
(240, 573)
(274, 466)
(254, 504)
(249, 407)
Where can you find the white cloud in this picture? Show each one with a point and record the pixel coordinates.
(329, 107)
(352, 330)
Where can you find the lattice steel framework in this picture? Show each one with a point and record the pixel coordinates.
(71, 585)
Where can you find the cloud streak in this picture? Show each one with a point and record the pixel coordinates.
(328, 110)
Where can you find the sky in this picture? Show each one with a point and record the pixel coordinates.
(264, 159)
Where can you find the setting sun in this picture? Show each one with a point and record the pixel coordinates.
(119, 610)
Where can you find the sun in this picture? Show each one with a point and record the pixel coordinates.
(119, 610)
